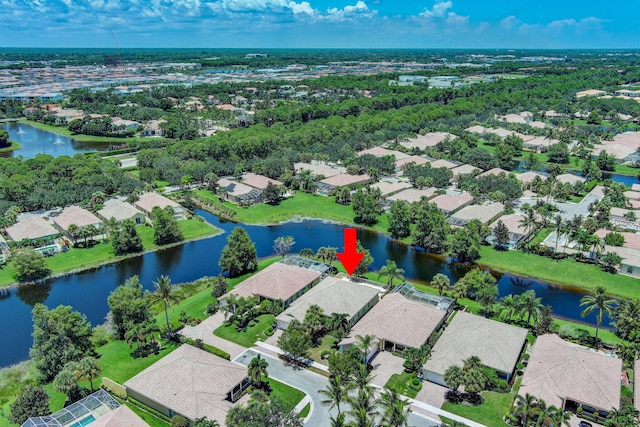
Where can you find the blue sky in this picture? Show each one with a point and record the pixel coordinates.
(321, 23)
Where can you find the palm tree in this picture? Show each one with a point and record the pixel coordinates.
(338, 421)
(257, 369)
(339, 324)
(460, 289)
(364, 343)
(598, 301)
(558, 416)
(72, 230)
(67, 382)
(440, 282)
(525, 409)
(472, 362)
(529, 222)
(391, 271)
(558, 227)
(394, 409)
(89, 369)
(363, 409)
(528, 304)
(508, 307)
(164, 292)
(454, 377)
(336, 392)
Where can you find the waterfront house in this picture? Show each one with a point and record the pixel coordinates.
(449, 203)
(484, 213)
(31, 228)
(517, 232)
(237, 192)
(343, 180)
(259, 181)
(411, 195)
(120, 211)
(147, 201)
(77, 216)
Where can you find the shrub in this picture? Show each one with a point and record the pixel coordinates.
(324, 354)
(100, 336)
(269, 332)
(215, 350)
(415, 381)
(179, 421)
(474, 399)
(211, 309)
(567, 331)
(503, 387)
(454, 396)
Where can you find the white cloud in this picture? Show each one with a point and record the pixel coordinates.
(455, 20)
(509, 22)
(439, 10)
(360, 9)
(303, 7)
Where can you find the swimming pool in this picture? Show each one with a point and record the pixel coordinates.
(84, 422)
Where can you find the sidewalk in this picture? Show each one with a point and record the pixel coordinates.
(204, 331)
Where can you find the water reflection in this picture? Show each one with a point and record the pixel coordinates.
(33, 294)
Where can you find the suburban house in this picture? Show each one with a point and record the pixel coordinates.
(569, 375)
(463, 170)
(343, 180)
(74, 215)
(381, 152)
(237, 192)
(404, 318)
(120, 211)
(333, 296)
(569, 178)
(539, 144)
(411, 195)
(497, 344)
(278, 281)
(153, 128)
(31, 228)
(527, 178)
(190, 382)
(386, 187)
(402, 164)
(431, 139)
(320, 169)
(624, 218)
(259, 181)
(99, 407)
(124, 125)
(148, 201)
(517, 232)
(630, 264)
(443, 164)
(484, 213)
(449, 203)
(494, 171)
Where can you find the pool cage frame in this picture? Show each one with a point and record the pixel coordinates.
(95, 404)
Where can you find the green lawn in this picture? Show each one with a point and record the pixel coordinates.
(303, 205)
(603, 334)
(291, 396)
(152, 420)
(540, 236)
(565, 272)
(490, 413)
(325, 344)
(118, 365)
(400, 383)
(61, 130)
(15, 145)
(248, 337)
(80, 258)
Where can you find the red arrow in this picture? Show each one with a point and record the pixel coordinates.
(350, 258)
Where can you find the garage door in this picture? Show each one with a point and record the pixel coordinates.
(436, 378)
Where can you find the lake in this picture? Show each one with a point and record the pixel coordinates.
(87, 292)
(35, 141)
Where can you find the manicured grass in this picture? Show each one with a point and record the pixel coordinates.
(540, 236)
(81, 258)
(152, 420)
(289, 395)
(118, 365)
(565, 272)
(490, 413)
(303, 205)
(603, 334)
(249, 336)
(15, 145)
(305, 411)
(61, 130)
(325, 344)
(400, 383)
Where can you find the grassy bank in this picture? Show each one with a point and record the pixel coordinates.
(14, 146)
(102, 253)
(61, 130)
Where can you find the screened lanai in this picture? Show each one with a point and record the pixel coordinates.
(78, 414)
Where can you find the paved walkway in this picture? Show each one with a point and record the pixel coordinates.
(204, 331)
(385, 364)
(431, 394)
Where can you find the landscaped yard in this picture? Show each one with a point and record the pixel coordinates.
(248, 337)
(490, 413)
(325, 344)
(60, 130)
(291, 396)
(400, 383)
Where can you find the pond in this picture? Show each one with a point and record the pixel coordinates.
(36, 141)
(87, 292)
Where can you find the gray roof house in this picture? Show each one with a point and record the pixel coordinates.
(238, 192)
(190, 382)
(120, 211)
(484, 213)
(75, 215)
(497, 344)
(567, 375)
(148, 201)
(449, 203)
(333, 296)
(31, 228)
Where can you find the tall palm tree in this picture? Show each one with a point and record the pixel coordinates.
(164, 292)
(558, 227)
(460, 289)
(508, 307)
(339, 324)
(525, 409)
(454, 377)
(440, 282)
(363, 409)
(394, 409)
(599, 302)
(528, 304)
(339, 421)
(73, 230)
(558, 416)
(335, 393)
(529, 222)
(257, 369)
(88, 369)
(391, 271)
(364, 343)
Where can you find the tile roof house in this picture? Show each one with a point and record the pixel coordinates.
(342, 180)
(566, 375)
(569, 178)
(333, 296)
(387, 188)
(123, 416)
(75, 215)
(411, 195)
(190, 382)
(397, 322)
(402, 164)
(517, 231)
(318, 169)
(443, 164)
(464, 170)
(31, 228)
(431, 139)
(381, 152)
(258, 181)
(278, 282)
(120, 211)
(237, 192)
(449, 203)
(148, 201)
(485, 213)
(494, 171)
(497, 344)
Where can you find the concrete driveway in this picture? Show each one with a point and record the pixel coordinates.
(204, 331)
(385, 364)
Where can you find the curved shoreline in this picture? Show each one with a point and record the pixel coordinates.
(110, 261)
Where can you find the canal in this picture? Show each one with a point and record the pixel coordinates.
(87, 292)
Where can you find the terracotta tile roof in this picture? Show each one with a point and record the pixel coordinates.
(464, 170)
(148, 201)
(380, 152)
(320, 169)
(528, 177)
(191, 382)
(413, 194)
(75, 215)
(430, 139)
(494, 171)
(32, 227)
(277, 281)
(451, 203)
(559, 370)
(258, 181)
(345, 179)
(567, 177)
(114, 208)
(484, 213)
(443, 164)
(512, 222)
(418, 160)
(122, 416)
(398, 319)
(497, 344)
(390, 187)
